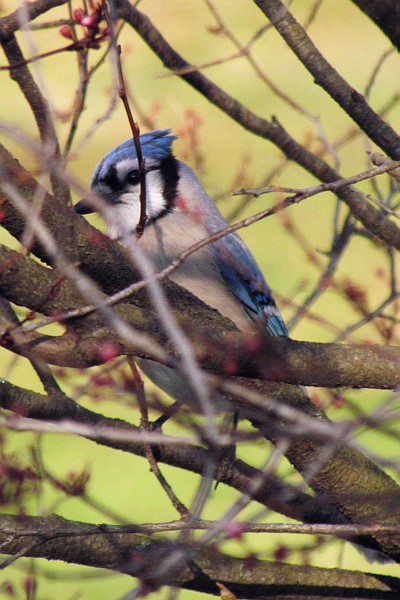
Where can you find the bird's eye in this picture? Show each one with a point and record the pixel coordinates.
(132, 178)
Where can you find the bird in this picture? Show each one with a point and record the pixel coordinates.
(223, 274)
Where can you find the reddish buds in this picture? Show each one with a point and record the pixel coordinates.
(78, 15)
(90, 21)
(235, 529)
(281, 553)
(108, 351)
(92, 34)
(66, 32)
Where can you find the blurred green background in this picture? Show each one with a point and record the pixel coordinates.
(124, 484)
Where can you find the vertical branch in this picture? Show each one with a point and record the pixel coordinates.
(132, 123)
(136, 137)
(138, 388)
(80, 94)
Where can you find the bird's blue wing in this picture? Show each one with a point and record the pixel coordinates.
(245, 280)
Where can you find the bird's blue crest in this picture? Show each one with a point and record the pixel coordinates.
(155, 144)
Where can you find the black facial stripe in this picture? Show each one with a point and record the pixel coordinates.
(170, 178)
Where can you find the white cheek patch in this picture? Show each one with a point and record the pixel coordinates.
(155, 201)
(123, 218)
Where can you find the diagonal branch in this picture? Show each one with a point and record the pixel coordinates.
(372, 219)
(42, 114)
(351, 101)
(28, 12)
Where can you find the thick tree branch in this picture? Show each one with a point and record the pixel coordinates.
(270, 492)
(277, 359)
(158, 562)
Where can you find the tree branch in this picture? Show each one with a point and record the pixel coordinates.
(374, 220)
(351, 101)
(157, 562)
(277, 359)
(270, 491)
(41, 112)
(28, 12)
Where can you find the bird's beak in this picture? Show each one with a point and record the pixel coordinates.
(84, 207)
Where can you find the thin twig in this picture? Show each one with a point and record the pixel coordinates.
(302, 193)
(149, 453)
(116, 53)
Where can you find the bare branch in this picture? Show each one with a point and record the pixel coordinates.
(325, 75)
(28, 12)
(371, 218)
(161, 562)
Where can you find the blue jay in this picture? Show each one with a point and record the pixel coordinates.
(223, 274)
